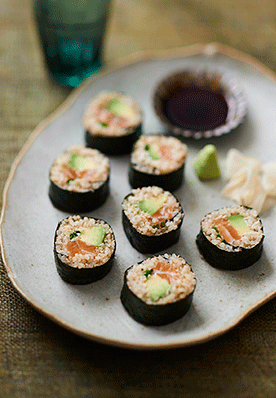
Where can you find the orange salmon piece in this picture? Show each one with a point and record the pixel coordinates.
(78, 246)
(167, 271)
(110, 119)
(166, 152)
(227, 231)
(162, 214)
(72, 174)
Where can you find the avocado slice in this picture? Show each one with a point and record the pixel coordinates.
(81, 163)
(238, 222)
(206, 163)
(153, 152)
(157, 287)
(151, 205)
(93, 236)
(120, 108)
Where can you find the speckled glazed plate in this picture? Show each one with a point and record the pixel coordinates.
(222, 298)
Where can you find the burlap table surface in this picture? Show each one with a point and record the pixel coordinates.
(37, 357)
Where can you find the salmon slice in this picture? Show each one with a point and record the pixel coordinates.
(166, 152)
(161, 215)
(72, 174)
(69, 173)
(110, 119)
(227, 231)
(78, 246)
(167, 271)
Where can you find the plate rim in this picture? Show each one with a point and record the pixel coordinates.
(208, 49)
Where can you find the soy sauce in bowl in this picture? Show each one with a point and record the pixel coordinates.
(199, 104)
(196, 109)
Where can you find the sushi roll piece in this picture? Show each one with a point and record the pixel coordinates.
(113, 123)
(84, 249)
(79, 180)
(231, 238)
(152, 219)
(158, 290)
(157, 160)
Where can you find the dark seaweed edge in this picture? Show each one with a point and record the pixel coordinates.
(153, 314)
(82, 276)
(78, 202)
(223, 259)
(169, 181)
(154, 243)
(116, 145)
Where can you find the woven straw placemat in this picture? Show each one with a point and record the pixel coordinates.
(39, 359)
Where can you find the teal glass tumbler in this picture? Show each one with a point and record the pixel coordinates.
(72, 35)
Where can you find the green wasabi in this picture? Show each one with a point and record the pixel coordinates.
(206, 163)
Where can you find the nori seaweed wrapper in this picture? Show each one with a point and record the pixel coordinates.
(169, 181)
(115, 145)
(153, 314)
(223, 259)
(81, 276)
(150, 243)
(78, 202)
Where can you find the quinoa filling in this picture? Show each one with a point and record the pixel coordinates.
(157, 154)
(73, 247)
(219, 229)
(80, 169)
(175, 278)
(164, 216)
(112, 114)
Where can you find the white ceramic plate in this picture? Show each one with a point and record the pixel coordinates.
(222, 298)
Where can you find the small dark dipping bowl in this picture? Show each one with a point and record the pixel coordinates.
(199, 104)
